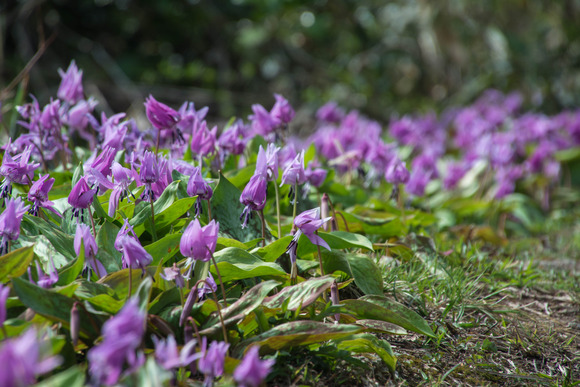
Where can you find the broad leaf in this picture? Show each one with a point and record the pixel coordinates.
(366, 273)
(367, 343)
(235, 264)
(300, 295)
(15, 263)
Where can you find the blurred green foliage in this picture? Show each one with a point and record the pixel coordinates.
(377, 56)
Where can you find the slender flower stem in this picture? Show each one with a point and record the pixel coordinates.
(278, 209)
(194, 325)
(181, 296)
(261, 213)
(295, 200)
(220, 279)
(208, 211)
(153, 220)
(334, 215)
(219, 310)
(130, 282)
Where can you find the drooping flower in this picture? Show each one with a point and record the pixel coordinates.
(253, 197)
(262, 122)
(134, 255)
(173, 274)
(194, 295)
(38, 195)
(162, 116)
(199, 243)
(294, 174)
(282, 112)
(45, 280)
(4, 293)
(168, 355)
(71, 86)
(232, 141)
(122, 336)
(211, 364)
(83, 235)
(330, 112)
(252, 371)
(197, 186)
(267, 162)
(16, 169)
(397, 172)
(149, 174)
(98, 168)
(10, 221)
(122, 179)
(23, 359)
(203, 140)
(308, 223)
(80, 198)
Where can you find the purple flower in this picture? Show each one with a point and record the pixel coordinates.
(262, 122)
(211, 364)
(122, 337)
(253, 197)
(197, 186)
(23, 359)
(190, 117)
(397, 172)
(316, 176)
(308, 223)
(267, 162)
(134, 255)
(122, 178)
(330, 112)
(168, 355)
(45, 280)
(203, 140)
(160, 115)
(80, 198)
(294, 172)
(455, 172)
(16, 169)
(10, 221)
(173, 274)
(4, 293)
(252, 371)
(149, 174)
(199, 243)
(71, 86)
(78, 117)
(38, 195)
(282, 112)
(231, 140)
(83, 235)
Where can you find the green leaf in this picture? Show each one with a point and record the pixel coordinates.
(385, 227)
(71, 271)
(228, 242)
(241, 308)
(366, 273)
(163, 249)
(226, 207)
(235, 264)
(297, 333)
(72, 377)
(53, 306)
(240, 177)
(381, 308)
(164, 202)
(107, 254)
(299, 295)
(274, 250)
(168, 216)
(15, 263)
(62, 242)
(119, 280)
(344, 240)
(368, 343)
(333, 261)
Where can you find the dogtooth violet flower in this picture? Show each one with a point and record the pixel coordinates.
(122, 336)
(80, 198)
(206, 287)
(197, 186)
(168, 355)
(198, 243)
(149, 174)
(122, 178)
(254, 195)
(211, 364)
(4, 293)
(134, 255)
(23, 359)
(252, 371)
(16, 169)
(45, 280)
(307, 223)
(38, 195)
(10, 220)
(396, 172)
(71, 86)
(84, 236)
(282, 112)
(262, 122)
(173, 274)
(294, 174)
(163, 118)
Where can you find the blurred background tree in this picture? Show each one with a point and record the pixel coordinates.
(377, 56)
